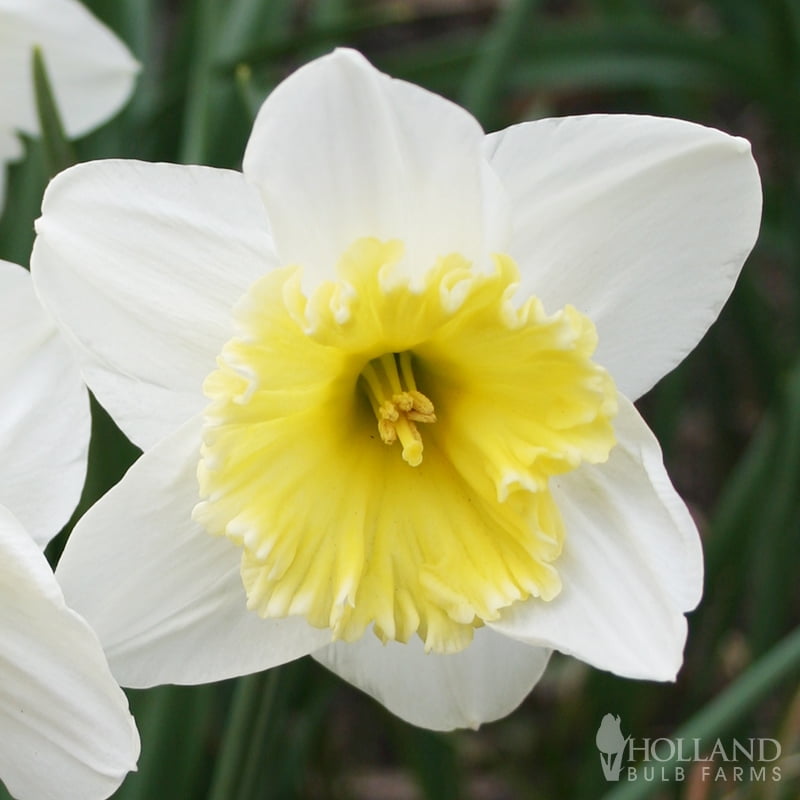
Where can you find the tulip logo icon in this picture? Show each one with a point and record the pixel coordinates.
(611, 744)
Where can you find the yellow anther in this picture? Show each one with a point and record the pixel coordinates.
(422, 408)
(389, 384)
(387, 430)
(388, 411)
(404, 401)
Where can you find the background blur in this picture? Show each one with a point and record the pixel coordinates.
(728, 418)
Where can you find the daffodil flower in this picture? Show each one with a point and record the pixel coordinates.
(383, 383)
(44, 412)
(64, 722)
(91, 71)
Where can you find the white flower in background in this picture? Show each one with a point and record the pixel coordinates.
(64, 722)
(90, 69)
(382, 381)
(44, 412)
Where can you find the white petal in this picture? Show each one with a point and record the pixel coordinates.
(44, 412)
(64, 722)
(340, 151)
(91, 71)
(140, 264)
(484, 682)
(164, 596)
(641, 223)
(632, 564)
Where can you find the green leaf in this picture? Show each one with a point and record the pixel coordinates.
(58, 152)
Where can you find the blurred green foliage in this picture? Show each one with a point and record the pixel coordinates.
(728, 417)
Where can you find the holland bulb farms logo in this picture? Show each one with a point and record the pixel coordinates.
(611, 744)
(662, 759)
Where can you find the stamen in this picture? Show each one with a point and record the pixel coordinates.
(374, 388)
(389, 384)
(405, 369)
(387, 431)
(422, 408)
(389, 363)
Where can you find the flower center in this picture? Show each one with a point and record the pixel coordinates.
(334, 526)
(389, 384)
